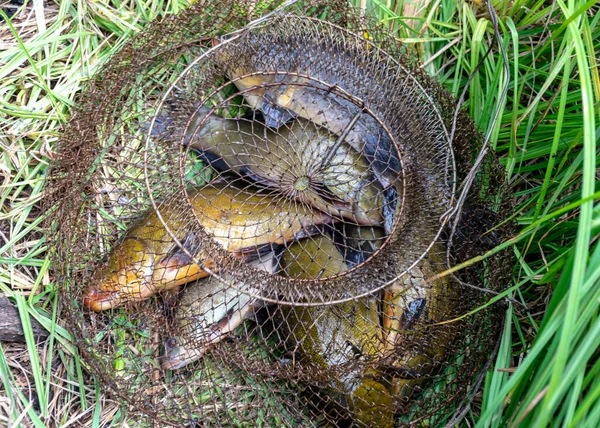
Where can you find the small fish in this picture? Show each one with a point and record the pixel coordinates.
(301, 160)
(148, 260)
(207, 313)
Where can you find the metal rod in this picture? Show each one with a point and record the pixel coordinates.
(333, 149)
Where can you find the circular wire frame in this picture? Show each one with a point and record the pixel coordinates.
(280, 78)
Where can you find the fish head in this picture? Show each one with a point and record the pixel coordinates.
(202, 307)
(416, 303)
(204, 322)
(178, 355)
(124, 278)
(200, 330)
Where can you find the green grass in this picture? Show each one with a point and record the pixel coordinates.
(547, 138)
(547, 371)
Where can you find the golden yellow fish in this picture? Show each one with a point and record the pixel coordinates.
(371, 329)
(147, 260)
(332, 336)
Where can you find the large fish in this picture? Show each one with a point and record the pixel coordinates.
(207, 313)
(266, 67)
(301, 160)
(409, 305)
(147, 260)
(338, 335)
(372, 329)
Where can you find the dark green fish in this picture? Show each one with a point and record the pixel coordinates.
(285, 94)
(301, 160)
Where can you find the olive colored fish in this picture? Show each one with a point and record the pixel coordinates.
(331, 336)
(284, 93)
(301, 160)
(148, 260)
(372, 330)
(312, 258)
(207, 313)
(410, 304)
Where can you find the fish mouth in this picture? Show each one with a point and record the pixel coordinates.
(179, 356)
(99, 300)
(103, 297)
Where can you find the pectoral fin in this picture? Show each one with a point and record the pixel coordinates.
(177, 268)
(398, 317)
(257, 253)
(213, 160)
(349, 248)
(391, 317)
(381, 153)
(247, 173)
(324, 192)
(412, 313)
(275, 116)
(230, 322)
(160, 127)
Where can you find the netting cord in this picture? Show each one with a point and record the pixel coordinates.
(278, 10)
(333, 149)
(456, 212)
(232, 37)
(463, 409)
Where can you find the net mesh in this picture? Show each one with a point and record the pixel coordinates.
(250, 220)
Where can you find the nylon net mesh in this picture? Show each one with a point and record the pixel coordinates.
(251, 216)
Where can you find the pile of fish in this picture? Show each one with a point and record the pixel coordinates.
(309, 188)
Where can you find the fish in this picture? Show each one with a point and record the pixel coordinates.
(312, 258)
(244, 222)
(409, 305)
(266, 68)
(335, 335)
(373, 328)
(301, 160)
(209, 311)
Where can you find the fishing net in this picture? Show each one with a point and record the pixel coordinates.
(251, 210)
